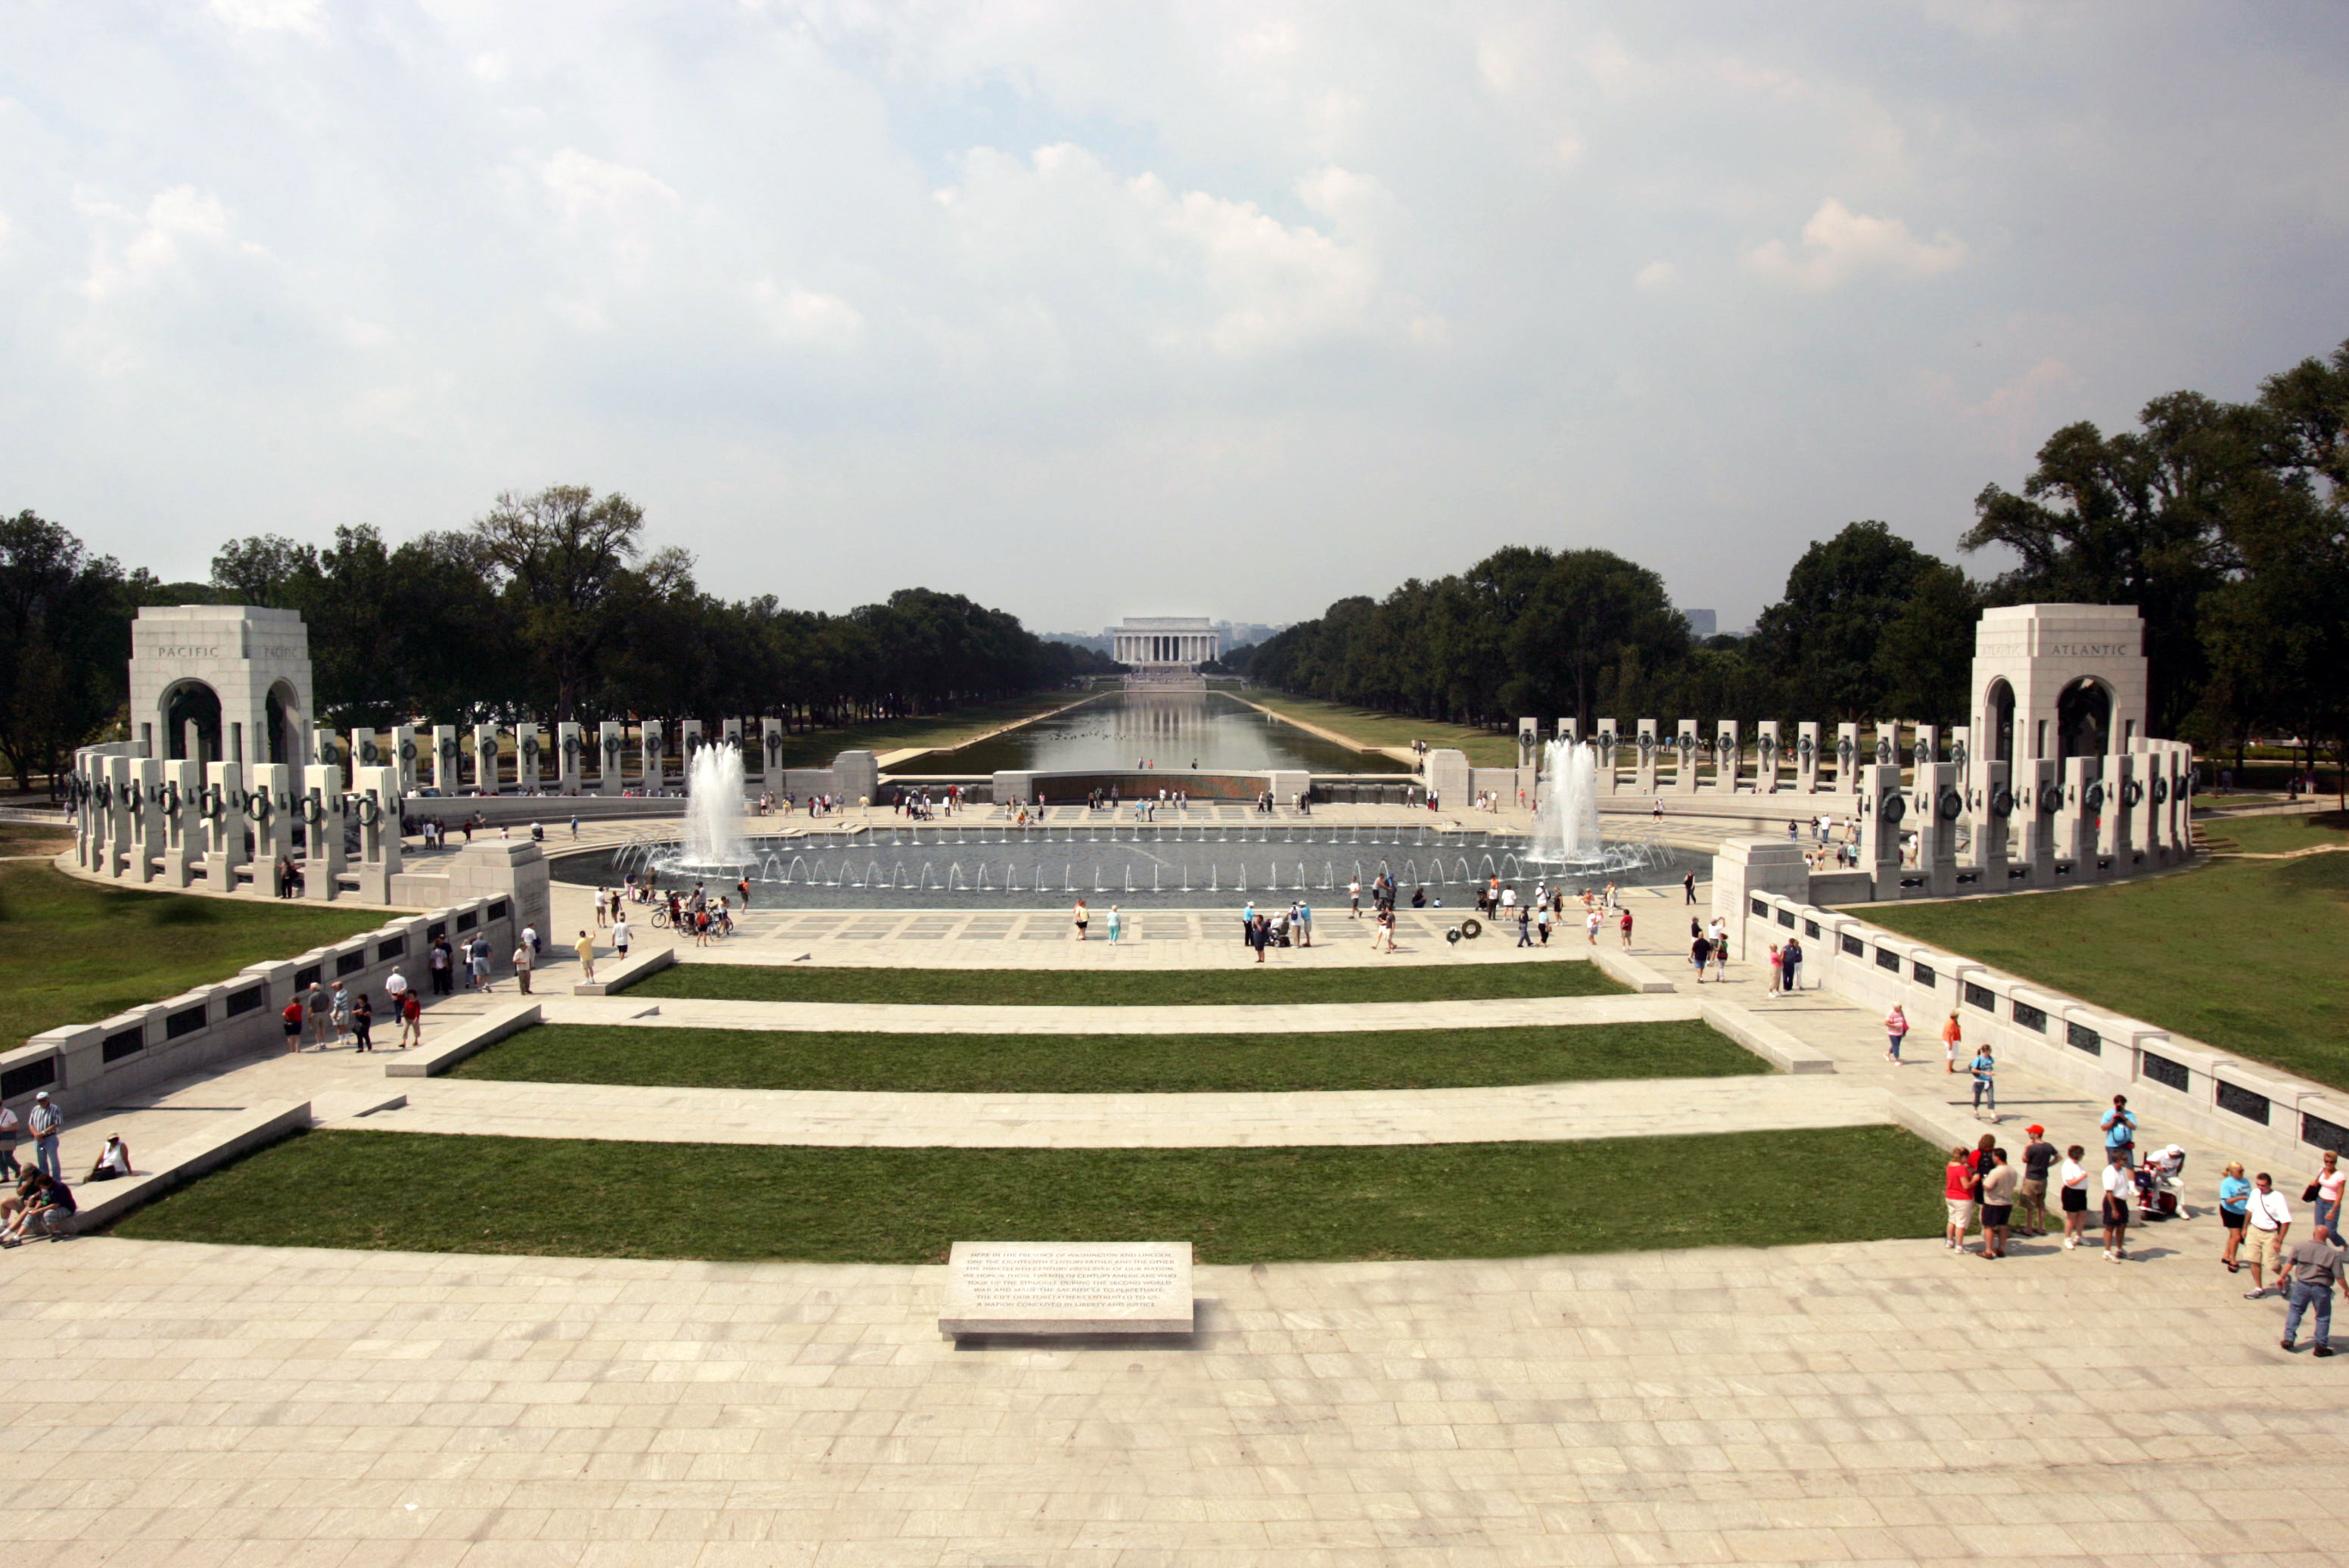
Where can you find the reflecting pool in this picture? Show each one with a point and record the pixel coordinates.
(1206, 730)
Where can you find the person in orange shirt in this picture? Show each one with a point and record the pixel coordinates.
(1950, 1035)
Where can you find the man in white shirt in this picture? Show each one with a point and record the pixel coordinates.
(2268, 1219)
(396, 988)
(45, 1124)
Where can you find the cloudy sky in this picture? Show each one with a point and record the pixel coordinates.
(1090, 310)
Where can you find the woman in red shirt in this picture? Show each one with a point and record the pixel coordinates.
(1958, 1192)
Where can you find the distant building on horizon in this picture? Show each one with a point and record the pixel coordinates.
(1703, 623)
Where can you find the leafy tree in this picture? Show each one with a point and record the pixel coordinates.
(1822, 641)
(560, 556)
(65, 644)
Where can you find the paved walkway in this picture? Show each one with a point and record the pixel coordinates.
(1513, 1113)
(1272, 1018)
(185, 1407)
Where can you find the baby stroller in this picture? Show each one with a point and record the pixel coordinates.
(2159, 1181)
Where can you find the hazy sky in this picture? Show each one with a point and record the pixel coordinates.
(1091, 310)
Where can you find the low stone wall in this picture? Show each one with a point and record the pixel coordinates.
(469, 1037)
(86, 1067)
(2168, 1080)
(103, 1203)
(615, 974)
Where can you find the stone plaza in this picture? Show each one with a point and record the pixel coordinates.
(1746, 1401)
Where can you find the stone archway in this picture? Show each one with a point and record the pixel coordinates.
(1998, 716)
(192, 722)
(2084, 719)
(282, 724)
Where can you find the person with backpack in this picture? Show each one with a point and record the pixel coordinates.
(1985, 1070)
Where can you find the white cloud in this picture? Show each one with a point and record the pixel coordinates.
(1181, 269)
(804, 318)
(1839, 244)
(583, 188)
(628, 211)
(1653, 277)
(178, 222)
(270, 15)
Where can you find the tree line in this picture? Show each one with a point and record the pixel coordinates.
(548, 607)
(2226, 523)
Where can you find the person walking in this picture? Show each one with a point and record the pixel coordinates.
(1688, 883)
(1998, 1203)
(1116, 925)
(1896, 1029)
(1354, 899)
(1790, 959)
(623, 933)
(2075, 1196)
(338, 1012)
(1951, 1033)
(2271, 1223)
(45, 1123)
(2324, 1192)
(1624, 925)
(523, 961)
(1958, 1193)
(1081, 918)
(2234, 1211)
(2120, 1186)
(2038, 1160)
(586, 948)
(1700, 954)
(2120, 1130)
(1984, 1067)
(438, 963)
(1525, 925)
(321, 1014)
(2309, 1271)
(411, 1020)
(362, 1022)
(479, 950)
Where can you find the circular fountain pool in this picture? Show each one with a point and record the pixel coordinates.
(1166, 865)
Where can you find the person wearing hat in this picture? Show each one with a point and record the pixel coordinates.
(2038, 1159)
(45, 1122)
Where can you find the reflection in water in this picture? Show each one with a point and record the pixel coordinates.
(1169, 730)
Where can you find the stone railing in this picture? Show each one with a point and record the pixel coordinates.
(2169, 1081)
(87, 1066)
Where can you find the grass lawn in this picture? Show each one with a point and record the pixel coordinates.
(581, 1198)
(32, 839)
(2279, 835)
(2242, 955)
(816, 749)
(73, 952)
(1368, 728)
(1108, 1064)
(1127, 988)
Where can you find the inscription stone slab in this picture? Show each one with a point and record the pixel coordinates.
(1067, 1287)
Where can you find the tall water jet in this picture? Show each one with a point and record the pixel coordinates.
(1565, 833)
(713, 810)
